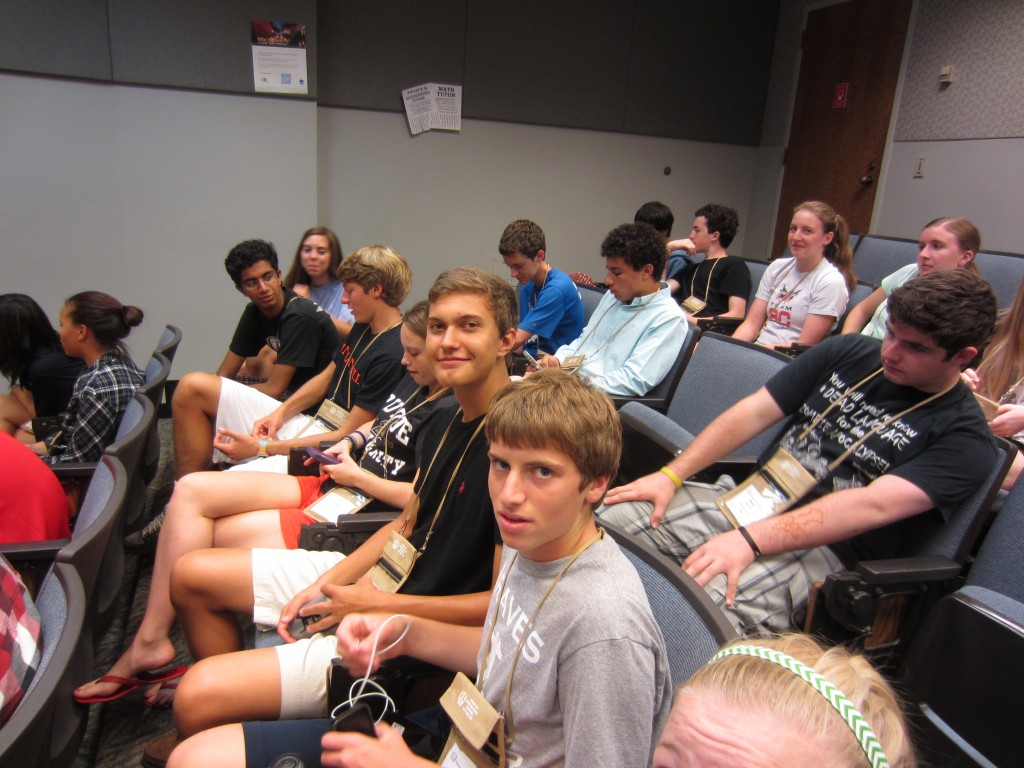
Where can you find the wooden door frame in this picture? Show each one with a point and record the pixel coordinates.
(890, 132)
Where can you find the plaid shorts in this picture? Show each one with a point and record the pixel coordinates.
(773, 591)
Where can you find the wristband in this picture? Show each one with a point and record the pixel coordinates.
(357, 432)
(261, 453)
(671, 476)
(750, 541)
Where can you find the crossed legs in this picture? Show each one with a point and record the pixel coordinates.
(228, 685)
(207, 509)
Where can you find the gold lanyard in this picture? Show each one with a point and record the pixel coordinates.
(451, 479)
(536, 293)
(526, 629)
(707, 288)
(617, 330)
(382, 429)
(347, 373)
(878, 428)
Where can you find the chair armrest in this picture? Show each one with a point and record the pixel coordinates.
(723, 325)
(33, 550)
(907, 570)
(365, 522)
(738, 470)
(71, 469)
(649, 441)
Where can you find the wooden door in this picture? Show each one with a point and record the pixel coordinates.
(848, 73)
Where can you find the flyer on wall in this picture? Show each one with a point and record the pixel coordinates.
(279, 57)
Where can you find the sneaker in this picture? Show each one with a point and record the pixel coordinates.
(159, 750)
(144, 539)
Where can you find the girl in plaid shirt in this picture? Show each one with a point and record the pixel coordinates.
(92, 325)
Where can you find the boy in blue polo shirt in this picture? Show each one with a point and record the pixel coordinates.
(550, 309)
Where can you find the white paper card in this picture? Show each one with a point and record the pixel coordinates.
(279, 57)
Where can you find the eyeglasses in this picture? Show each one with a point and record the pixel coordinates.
(267, 278)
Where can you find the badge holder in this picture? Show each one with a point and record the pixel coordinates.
(478, 730)
(693, 305)
(572, 363)
(392, 570)
(771, 490)
(332, 414)
(988, 407)
(337, 503)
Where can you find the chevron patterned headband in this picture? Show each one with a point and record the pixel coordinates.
(861, 730)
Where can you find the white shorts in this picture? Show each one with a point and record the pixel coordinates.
(241, 406)
(277, 575)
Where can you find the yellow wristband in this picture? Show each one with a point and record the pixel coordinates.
(672, 476)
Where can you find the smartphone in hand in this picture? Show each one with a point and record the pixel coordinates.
(323, 458)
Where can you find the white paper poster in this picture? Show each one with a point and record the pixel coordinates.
(279, 57)
(433, 106)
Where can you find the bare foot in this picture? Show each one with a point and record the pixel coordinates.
(160, 696)
(138, 657)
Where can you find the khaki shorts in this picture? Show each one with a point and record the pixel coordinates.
(277, 575)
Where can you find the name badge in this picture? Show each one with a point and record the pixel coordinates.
(478, 732)
(331, 414)
(693, 305)
(336, 503)
(572, 363)
(395, 564)
(988, 407)
(770, 491)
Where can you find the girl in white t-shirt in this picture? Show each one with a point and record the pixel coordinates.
(800, 298)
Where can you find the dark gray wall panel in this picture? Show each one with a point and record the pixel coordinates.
(553, 63)
(370, 51)
(700, 69)
(197, 43)
(55, 37)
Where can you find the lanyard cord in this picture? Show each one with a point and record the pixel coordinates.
(617, 330)
(382, 429)
(707, 288)
(451, 479)
(347, 373)
(522, 639)
(536, 292)
(878, 427)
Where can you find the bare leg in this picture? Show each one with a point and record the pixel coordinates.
(261, 366)
(208, 589)
(202, 503)
(1014, 473)
(231, 688)
(15, 409)
(223, 746)
(194, 407)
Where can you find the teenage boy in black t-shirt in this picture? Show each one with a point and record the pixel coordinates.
(926, 449)
(358, 376)
(470, 330)
(721, 281)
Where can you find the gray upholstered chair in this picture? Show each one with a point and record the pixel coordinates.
(46, 729)
(694, 627)
(962, 674)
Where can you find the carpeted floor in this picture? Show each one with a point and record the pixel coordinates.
(119, 731)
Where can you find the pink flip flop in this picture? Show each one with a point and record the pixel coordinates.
(129, 684)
